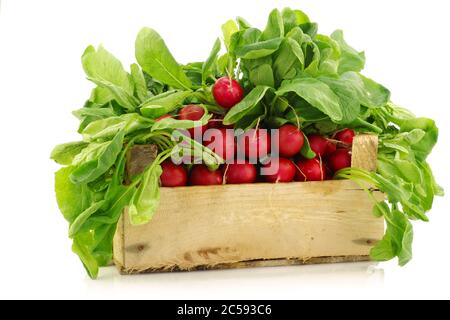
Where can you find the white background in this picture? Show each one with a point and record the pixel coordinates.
(41, 82)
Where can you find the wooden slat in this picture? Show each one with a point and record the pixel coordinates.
(364, 152)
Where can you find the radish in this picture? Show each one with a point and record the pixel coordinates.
(227, 92)
(318, 144)
(339, 159)
(291, 140)
(238, 173)
(217, 122)
(331, 147)
(222, 142)
(254, 144)
(173, 175)
(202, 176)
(310, 170)
(214, 123)
(285, 172)
(345, 136)
(194, 113)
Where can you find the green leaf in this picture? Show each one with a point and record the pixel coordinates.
(275, 26)
(409, 171)
(400, 230)
(381, 209)
(405, 254)
(207, 66)
(242, 23)
(280, 106)
(212, 108)
(98, 113)
(250, 64)
(290, 19)
(397, 240)
(194, 73)
(375, 94)
(289, 57)
(77, 224)
(126, 100)
(262, 76)
(101, 96)
(252, 118)
(296, 49)
(92, 112)
(383, 251)
(109, 127)
(173, 124)
(243, 107)
(430, 186)
(304, 111)
(139, 82)
(88, 260)
(155, 59)
(258, 49)
(145, 200)
(191, 149)
(330, 53)
(164, 103)
(351, 60)
(102, 65)
(316, 93)
(71, 198)
(276, 122)
(222, 63)
(91, 170)
(306, 151)
(65, 153)
(301, 17)
(312, 56)
(348, 98)
(106, 71)
(424, 147)
(228, 29)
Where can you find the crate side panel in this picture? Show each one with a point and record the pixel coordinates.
(203, 226)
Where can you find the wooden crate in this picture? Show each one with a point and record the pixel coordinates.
(234, 226)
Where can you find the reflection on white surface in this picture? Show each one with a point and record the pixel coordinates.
(285, 282)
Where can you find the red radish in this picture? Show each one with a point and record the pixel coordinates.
(285, 172)
(194, 113)
(217, 122)
(318, 144)
(214, 123)
(291, 140)
(310, 170)
(227, 92)
(173, 175)
(222, 142)
(328, 173)
(163, 117)
(331, 147)
(345, 135)
(254, 144)
(237, 173)
(339, 159)
(202, 176)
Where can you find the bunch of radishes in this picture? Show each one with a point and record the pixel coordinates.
(332, 154)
